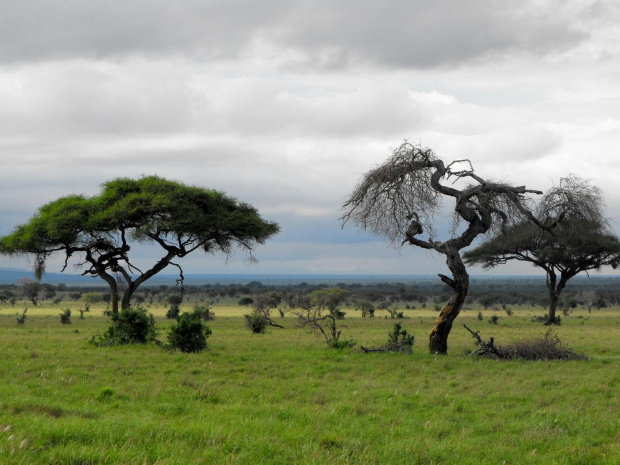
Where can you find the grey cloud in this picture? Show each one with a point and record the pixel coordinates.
(46, 30)
(426, 34)
(314, 34)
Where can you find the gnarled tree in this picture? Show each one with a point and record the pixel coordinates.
(401, 198)
(576, 238)
(100, 230)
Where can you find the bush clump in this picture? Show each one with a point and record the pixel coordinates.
(204, 311)
(256, 323)
(190, 333)
(399, 340)
(65, 317)
(130, 326)
(341, 344)
(173, 313)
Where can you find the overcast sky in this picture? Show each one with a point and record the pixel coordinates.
(285, 104)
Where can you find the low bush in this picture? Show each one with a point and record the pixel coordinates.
(173, 312)
(204, 311)
(399, 340)
(65, 317)
(130, 326)
(190, 333)
(256, 323)
(340, 345)
(22, 319)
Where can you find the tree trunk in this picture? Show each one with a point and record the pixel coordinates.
(554, 292)
(126, 302)
(438, 338)
(552, 308)
(113, 291)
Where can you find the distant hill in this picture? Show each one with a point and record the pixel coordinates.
(11, 275)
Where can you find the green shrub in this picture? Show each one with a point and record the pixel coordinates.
(190, 333)
(204, 311)
(22, 319)
(401, 337)
(340, 345)
(256, 323)
(129, 326)
(65, 317)
(493, 320)
(173, 312)
(399, 340)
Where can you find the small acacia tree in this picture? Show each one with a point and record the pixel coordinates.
(90, 298)
(30, 290)
(330, 299)
(401, 198)
(100, 230)
(576, 238)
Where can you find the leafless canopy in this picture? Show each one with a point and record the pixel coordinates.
(400, 199)
(572, 203)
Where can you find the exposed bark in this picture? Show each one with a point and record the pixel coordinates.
(438, 338)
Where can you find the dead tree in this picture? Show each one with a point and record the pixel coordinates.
(401, 198)
(326, 325)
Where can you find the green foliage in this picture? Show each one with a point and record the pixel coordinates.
(106, 393)
(174, 299)
(245, 301)
(204, 311)
(190, 333)
(130, 326)
(173, 312)
(30, 290)
(21, 319)
(330, 299)
(256, 322)
(92, 297)
(65, 317)
(480, 317)
(5, 295)
(177, 217)
(400, 336)
(494, 319)
(341, 344)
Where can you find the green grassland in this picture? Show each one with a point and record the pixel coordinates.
(284, 397)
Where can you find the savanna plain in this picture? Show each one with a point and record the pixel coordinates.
(284, 397)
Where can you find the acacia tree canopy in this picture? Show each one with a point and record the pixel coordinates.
(401, 198)
(100, 230)
(576, 237)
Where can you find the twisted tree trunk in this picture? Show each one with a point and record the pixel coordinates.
(438, 338)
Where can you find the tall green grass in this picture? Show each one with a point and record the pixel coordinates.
(283, 397)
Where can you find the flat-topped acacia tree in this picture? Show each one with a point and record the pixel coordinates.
(401, 198)
(576, 238)
(99, 231)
